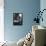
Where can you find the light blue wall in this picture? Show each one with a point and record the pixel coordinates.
(28, 8)
(43, 6)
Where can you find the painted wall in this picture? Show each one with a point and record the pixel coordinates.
(28, 8)
(43, 6)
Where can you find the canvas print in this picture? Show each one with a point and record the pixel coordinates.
(17, 18)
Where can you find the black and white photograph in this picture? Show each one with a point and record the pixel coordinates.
(17, 18)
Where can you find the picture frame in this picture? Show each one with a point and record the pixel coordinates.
(17, 18)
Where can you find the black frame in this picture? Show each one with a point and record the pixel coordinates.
(17, 18)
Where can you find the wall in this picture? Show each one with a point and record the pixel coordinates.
(28, 8)
(42, 6)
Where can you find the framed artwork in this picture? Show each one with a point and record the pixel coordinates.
(17, 18)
